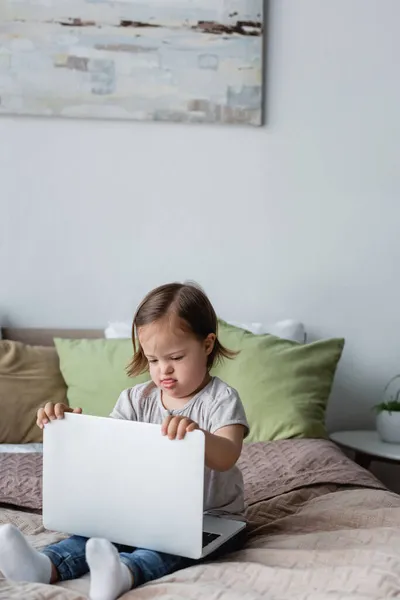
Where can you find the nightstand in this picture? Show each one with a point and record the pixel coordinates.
(367, 446)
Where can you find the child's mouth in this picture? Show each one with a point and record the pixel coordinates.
(168, 383)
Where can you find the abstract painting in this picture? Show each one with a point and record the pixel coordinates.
(157, 60)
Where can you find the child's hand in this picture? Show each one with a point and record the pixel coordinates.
(177, 427)
(53, 411)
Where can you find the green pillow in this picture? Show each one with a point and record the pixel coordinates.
(284, 386)
(95, 372)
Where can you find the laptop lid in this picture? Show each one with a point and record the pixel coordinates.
(124, 481)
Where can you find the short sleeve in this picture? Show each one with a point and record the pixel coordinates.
(125, 406)
(228, 410)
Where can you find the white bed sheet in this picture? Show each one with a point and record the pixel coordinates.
(20, 448)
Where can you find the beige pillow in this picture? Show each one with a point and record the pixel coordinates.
(29, 377)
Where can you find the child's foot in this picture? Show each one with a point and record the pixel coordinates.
(109, 577)
(19, 561)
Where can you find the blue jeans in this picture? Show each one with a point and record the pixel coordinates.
(69, 558)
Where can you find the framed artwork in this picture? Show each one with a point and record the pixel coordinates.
(158, 60)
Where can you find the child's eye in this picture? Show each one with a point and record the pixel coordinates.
(152, 361)
(177, 358)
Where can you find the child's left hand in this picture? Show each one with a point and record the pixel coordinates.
(177, 427)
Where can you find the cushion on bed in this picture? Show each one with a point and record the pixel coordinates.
(95, 372)
(284, 386)
(29, 377)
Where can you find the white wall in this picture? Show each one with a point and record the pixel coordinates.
(299, 218)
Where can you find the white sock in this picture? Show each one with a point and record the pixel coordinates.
(19, 561)
(109, 577)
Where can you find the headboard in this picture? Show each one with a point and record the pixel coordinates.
(44, 337)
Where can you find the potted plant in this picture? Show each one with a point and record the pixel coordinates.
(388, 421)
(388, 413)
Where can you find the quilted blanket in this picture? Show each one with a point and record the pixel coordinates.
(320, 527)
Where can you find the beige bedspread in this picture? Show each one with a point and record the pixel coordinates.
(319, 540)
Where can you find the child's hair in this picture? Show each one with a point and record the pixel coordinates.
(186, 301)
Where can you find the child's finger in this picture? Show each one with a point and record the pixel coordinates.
(41, 418)
(59, 410)
(177, 428)
(164, 426)
(49, 411)
(191, 427)
(182, 428)
(77, 411)
(173, 427)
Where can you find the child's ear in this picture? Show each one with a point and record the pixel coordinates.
(209, 343)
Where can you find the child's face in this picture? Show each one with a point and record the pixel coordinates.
(177, 359)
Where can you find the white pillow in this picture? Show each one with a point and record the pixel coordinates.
(287, 329)
(118, 329)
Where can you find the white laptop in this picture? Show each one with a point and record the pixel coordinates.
(124, 481)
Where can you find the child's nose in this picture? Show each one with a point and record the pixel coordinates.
(168, 368)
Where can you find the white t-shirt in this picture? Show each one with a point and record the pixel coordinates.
(215, 406)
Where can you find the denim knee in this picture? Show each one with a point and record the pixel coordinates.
(148, 565)
(69, 557)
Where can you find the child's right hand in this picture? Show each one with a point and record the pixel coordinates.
(53, 411)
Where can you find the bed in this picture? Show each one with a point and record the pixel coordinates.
(320, 526)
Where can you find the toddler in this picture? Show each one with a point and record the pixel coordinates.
(174, 336)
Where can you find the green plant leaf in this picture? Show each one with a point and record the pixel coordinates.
(391, 406)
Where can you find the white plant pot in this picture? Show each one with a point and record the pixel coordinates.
(388, 426)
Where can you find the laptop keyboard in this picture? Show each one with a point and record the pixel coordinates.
(209, 537)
